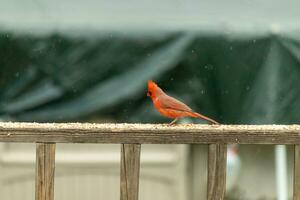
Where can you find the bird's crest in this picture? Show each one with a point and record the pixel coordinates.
(153, 89)
(151, 85)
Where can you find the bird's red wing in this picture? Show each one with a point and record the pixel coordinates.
(167, 102)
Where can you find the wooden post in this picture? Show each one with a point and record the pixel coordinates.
(44, 175)
(216, 180)
(130, 171)
(297, 173)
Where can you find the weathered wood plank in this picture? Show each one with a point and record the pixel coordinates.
(130, 171)
(216, 180)
(149, 133)
(45, 166)
(297, 173)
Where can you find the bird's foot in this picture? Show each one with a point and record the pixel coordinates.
(173, 122)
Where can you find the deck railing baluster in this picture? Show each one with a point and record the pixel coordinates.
(216, 180)
(45, 168)
(130, 171)
(297, 173)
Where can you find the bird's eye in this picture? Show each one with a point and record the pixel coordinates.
(149, 94)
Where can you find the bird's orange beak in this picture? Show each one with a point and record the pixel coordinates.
(151, 86)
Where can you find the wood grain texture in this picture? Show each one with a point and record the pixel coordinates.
(130, 171)
(149, 133)
(297, 173)
(216, 180)
(45, 166)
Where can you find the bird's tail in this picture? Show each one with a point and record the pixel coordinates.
(197, 115)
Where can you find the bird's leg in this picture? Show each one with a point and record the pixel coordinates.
(174, 121)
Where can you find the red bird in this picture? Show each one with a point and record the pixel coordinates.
(171, 107)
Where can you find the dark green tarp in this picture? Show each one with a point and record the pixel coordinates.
(233, 77)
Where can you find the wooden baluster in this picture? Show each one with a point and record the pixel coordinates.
(130, 171)
(216, 180)
(44, 175)
(297, 173)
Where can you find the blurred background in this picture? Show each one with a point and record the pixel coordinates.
(237, 62)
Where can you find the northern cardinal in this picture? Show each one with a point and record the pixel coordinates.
(171, 107)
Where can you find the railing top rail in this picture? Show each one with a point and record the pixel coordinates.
(148, 133)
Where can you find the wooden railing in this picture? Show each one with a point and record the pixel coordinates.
(131, 136)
